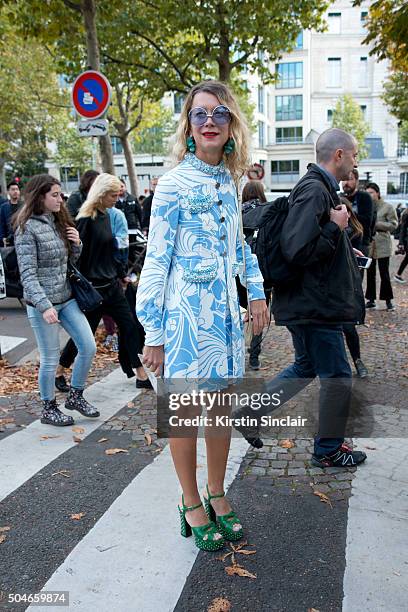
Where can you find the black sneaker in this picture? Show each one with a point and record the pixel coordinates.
(370, 304)
(390, 305)
(61, 384)
(143, 384)
(76, 401)
(254, 363)
(362, 371)
(52, 415)
(342, 457)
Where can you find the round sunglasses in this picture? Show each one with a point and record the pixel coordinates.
(198, 116)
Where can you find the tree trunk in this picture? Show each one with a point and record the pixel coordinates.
(127, 149)
(93, 57)
(3, 182)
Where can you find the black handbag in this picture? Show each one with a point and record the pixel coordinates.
(87, 297)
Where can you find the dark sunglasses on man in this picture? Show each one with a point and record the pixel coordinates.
(198, 116)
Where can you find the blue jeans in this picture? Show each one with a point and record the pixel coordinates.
(76, 325)
(320, 351)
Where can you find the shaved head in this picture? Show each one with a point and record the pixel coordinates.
(331, 141)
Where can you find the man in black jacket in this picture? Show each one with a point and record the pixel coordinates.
(130, 207)
(326, 295)
(363, 206)
(77, 198)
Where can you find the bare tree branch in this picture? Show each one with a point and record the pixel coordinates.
(73, 5)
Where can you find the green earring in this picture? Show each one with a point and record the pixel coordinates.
(229, 146)
(191, 145)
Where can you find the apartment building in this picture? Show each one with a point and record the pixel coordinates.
(299, 106)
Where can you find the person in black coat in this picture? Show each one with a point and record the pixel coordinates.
(129, 205)
(363, 207)
(326, 295)
(147, 206)
(77, 198)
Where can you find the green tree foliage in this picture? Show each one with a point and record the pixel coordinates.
(387, 26)
(155, 129)
(348, 116)
(72, 151)
(175, 45)
(30, 98)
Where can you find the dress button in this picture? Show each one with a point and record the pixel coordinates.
(223, 237)
(217, 185)
(224, 253)
(219, 202)
(222, 219)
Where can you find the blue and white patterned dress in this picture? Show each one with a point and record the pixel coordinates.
(187, 298)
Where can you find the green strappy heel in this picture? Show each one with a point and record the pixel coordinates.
(228, 524)
(206, 537)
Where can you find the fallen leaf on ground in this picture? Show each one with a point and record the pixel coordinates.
(78, 430)
(6, 528)
(76, 439)
(237, 570)
(62, 473)
(115, 451)
(246, 552)
(103, 440)
(48, 437)
(77, 517)
(6, 420)
(286, 444)
(148, 438)
(2, 538)
(312, 610)
(130, 404)
(323, 498)
(219, 604)
(370, 447)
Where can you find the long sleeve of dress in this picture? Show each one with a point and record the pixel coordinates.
(152, 284)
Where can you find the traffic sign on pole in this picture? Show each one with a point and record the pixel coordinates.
(92, 127)
(91, 94)
(256, 172)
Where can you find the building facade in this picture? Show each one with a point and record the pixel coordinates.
(299, 106)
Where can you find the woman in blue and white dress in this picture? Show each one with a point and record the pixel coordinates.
(187, 299)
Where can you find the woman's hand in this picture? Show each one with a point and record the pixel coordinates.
(260, 316)
(153, 358)
(50, 316)
(73, 235)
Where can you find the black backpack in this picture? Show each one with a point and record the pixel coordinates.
(262, 225)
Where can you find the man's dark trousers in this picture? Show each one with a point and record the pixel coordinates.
(320, 351)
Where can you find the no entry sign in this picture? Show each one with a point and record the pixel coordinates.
(91, 94)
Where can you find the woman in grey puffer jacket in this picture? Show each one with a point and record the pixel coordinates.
(45, 237)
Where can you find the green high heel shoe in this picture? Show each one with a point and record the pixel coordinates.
(206, 537)
(228, 524)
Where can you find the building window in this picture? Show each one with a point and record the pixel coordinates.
(289, 134)
(178, 102)
(289, 108)
(117, 147)
(363, 19)
(329, 115)
(261, 134)
(364, 110)
(261, 96)
(334, 75)
(285, 171)
(363, 78)
(299, 41)
(404, 182)
(290, 75)
(334, 20)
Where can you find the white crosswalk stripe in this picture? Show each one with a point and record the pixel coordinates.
(134, 557)
(25, 453)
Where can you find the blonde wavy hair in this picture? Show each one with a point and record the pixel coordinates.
(238, 161)
(103, 185)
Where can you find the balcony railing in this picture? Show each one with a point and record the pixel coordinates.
(289, 140)
(402, 151)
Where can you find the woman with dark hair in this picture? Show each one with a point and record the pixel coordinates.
(77, 198)
(253, 193)
(45, 238)
(355, 232)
